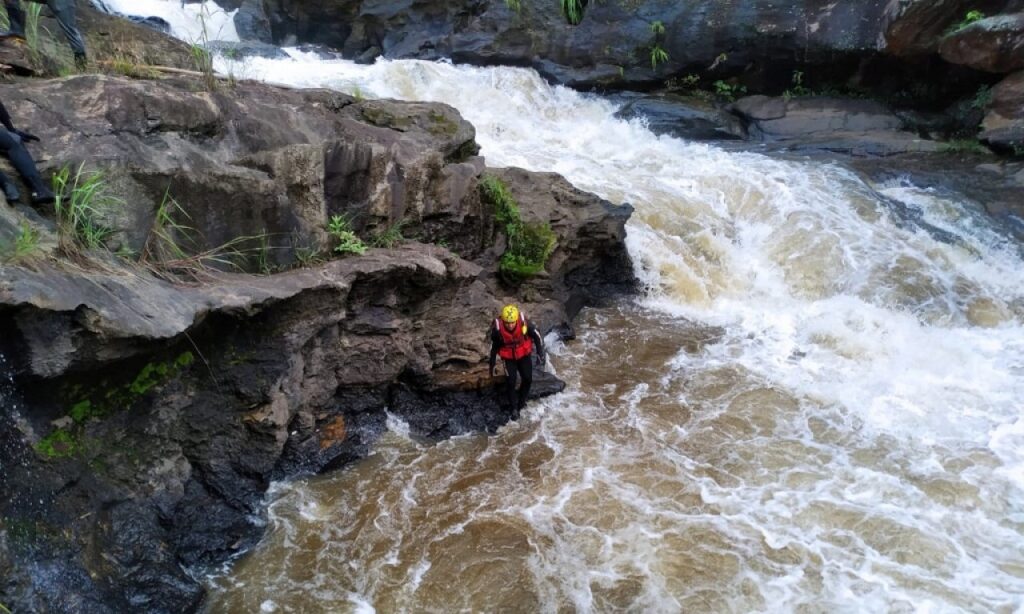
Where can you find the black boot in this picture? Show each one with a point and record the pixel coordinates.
(41, 194)
(81, 62)
(10, 191)
(11, 36)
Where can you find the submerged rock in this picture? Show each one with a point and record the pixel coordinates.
(685, 118)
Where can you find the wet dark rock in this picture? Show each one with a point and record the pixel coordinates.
(178, 404)
(859, 127)
(684, 117)
(236, 51)
(1003, 126)
(995, 44)
(252, 22)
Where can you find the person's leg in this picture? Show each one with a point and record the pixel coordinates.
(16, 17)
(526, 373)
(510, 384)
(64, 11)
(9, 189)
(11, 146)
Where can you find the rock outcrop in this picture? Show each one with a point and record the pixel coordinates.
(1003, 126)
(859, 127)
(146, 418)
(995, 44)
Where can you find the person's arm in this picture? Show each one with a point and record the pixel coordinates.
(495, 346)
(538, 341)
(5, 118)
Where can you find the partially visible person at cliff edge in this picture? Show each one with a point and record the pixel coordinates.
(63, 10)
(515, 338)
(12, 145)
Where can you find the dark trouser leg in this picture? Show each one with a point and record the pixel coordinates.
(526, 373)
(16, 16)
(9, 189)
(510, 384)
(64, 11)
(10, 146)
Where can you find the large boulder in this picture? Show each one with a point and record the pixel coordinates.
(995, 44)
(1003, 126)
(143, 419)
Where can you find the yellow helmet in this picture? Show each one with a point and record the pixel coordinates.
(510, 314)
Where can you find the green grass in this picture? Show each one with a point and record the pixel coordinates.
(347, 242)
(515, 5)
(82, 201)
(727, 91)
(25, 246)
(390, 237)
(529, 244)
(572, 10)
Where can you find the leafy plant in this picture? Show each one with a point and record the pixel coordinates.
(347, 240)
(515, 5)
(971, 17)
(657, 55)
(81, 202)
(727, 91)
(798, 88)
(529, 244)
(572, 10)
(657, 28)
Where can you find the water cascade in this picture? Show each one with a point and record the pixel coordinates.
(816, 402)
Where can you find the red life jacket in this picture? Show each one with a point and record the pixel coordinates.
(515, 344)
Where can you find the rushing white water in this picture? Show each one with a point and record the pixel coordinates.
(852, 440)
(193, 23)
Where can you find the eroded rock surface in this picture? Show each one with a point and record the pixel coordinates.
(145, 419)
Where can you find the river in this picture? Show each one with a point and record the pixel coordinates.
(815, 404)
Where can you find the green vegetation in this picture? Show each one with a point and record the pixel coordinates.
(515, 5)
(26, 244)
(173, 249)
(982, 98)
(4, 609)
(347, 240)
(202, 58)
(130, 67)
(798, 88)
(389, 237)
(82, 200)
(658, 53)
(572, 10)
(529, 244)
(969, 18)
(965, 146)
(32, 13)
(728, 91)
(64, 442)
(658, 56)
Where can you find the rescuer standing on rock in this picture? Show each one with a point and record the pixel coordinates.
(515, 338)
(12, 146)
(63, 10)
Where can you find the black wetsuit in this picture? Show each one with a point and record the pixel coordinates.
(11, 146)
(63, 10)
(523, 368)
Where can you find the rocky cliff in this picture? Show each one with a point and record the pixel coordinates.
(146, 412)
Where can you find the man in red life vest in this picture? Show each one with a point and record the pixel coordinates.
(514, 338)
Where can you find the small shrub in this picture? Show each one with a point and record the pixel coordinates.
(81, 202)
(965, 146)
(515, 5)
(529, 244)
(982, 98)
(347, 240)
(657, 28)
